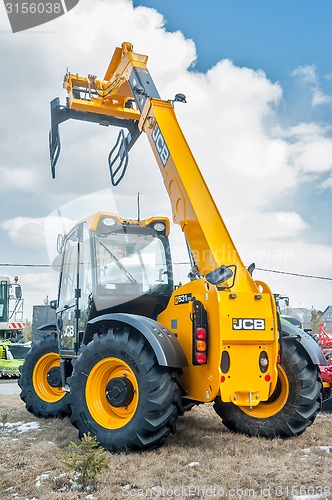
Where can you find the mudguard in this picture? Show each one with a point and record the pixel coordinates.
(312, 348)
(164, 343)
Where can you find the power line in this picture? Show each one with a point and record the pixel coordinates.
(187, 263)
(295, 274)
(26, 265)
(278, 272)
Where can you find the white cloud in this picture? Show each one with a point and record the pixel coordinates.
(266, 226)
(309, 75)
(310, 258)
(25, 232)
(36, 286)
(318, 97)
(19, 179)
(310, 148)
(327, 183)
(34, 232)
(315, 156)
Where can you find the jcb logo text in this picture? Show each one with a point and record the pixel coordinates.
(248, 324)
(161, 147)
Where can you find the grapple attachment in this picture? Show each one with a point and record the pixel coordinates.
(118, 157)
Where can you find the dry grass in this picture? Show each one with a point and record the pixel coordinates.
(244, 467)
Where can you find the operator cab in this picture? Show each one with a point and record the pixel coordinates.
(112, 265)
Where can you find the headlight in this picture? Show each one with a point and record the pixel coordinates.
(109, 221)
(159, 226)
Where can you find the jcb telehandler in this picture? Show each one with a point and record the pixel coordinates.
(130, 351)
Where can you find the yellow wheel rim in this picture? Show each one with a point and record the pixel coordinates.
(100, 409)
(40, 383)
(275, 403)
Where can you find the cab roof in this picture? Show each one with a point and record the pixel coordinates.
(94, 219)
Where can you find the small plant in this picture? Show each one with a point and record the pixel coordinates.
(4, 418)
(315, 320)
(27, 331)
(87, 459)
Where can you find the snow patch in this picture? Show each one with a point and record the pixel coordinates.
(41, 478)
(20, 427)
(327, 449)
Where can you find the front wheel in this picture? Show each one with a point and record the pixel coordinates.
(121, 395)
(40, 379)
(291, 408)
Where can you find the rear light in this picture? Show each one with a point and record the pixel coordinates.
(200, 333)
(200, 358)
(201, 346)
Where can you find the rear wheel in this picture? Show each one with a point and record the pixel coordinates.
(40, 380)
(121, 395)
(291, 408)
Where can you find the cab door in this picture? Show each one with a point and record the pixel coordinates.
(68, 308)
(85, 281)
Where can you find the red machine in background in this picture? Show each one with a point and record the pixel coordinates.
(325, 341)
(324, 338)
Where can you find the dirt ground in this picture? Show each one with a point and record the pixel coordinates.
(202, 460)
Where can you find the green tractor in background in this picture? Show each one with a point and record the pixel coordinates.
(12, 347)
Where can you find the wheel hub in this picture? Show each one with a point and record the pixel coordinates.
(54, 377)
(119, 392)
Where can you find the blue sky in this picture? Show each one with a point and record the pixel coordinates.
(258, 81)
(274, 35)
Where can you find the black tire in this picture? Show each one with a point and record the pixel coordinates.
(292, 407)
(327, 405)
(153, 400)
(40, 382)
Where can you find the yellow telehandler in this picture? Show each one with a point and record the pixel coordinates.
(130, 351)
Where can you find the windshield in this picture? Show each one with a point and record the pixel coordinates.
(131, 262)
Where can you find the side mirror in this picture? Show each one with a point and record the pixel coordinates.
(219, 275)
(53, 304)
(60, 243)
(18, 292)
